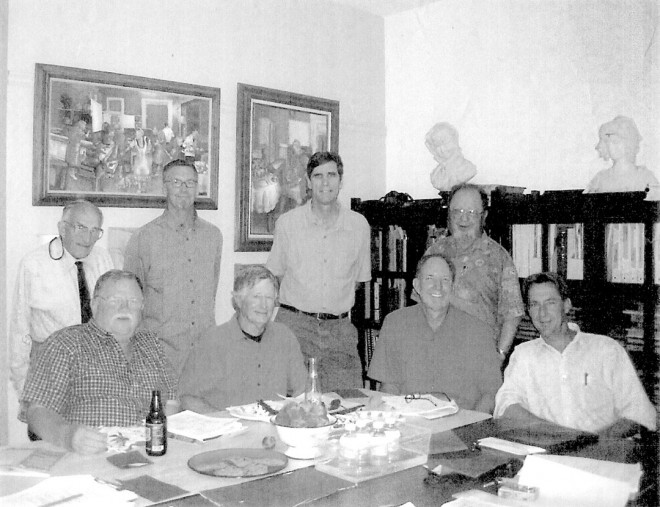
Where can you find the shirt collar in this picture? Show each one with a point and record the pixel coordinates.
(173, 224)
(312, 219)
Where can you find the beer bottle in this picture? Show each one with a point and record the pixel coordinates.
(156, 431)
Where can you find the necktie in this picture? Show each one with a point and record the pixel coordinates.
(83, 291)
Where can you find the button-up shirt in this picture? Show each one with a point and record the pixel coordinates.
(46, 299)
(82, 374)
(180, 270)
(486, 283)
(589, 386)
(319, 266)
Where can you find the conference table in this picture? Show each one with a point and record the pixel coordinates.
(299, 482)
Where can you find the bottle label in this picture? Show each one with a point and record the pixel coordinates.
(156, 437)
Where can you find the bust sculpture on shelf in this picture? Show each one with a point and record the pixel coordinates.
(453, 168)
(619, 141)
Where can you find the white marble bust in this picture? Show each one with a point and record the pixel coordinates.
(453, 168)
(619, 141)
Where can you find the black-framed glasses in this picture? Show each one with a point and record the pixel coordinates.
(116, 303)
(176, 182)
(470, 213)
(416, 396)
(82, 229)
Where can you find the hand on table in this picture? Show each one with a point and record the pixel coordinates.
(86, 440)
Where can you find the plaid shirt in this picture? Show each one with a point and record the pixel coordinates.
(83, 375)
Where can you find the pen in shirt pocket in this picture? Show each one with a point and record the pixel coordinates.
(586, 379)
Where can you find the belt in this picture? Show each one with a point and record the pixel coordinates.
(317, 316)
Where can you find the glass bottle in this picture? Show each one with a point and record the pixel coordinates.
(156, 427)
(312, 390)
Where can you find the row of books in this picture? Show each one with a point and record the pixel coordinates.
(624, 250)
(389, 249)
(374, 307)
(625, 253)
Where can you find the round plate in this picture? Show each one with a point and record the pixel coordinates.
(238, 462)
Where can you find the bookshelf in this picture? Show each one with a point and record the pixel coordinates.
(400, 233)
(603, 243)
(568, 231)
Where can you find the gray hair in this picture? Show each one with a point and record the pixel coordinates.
(435, 255)
(115, 275)
(79, 204)
(249, 276)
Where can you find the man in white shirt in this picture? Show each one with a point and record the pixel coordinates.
(47, 296)
(577, 380)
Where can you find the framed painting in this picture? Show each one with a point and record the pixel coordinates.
(276, 134)
(106, 137)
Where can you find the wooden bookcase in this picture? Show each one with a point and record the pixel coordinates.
(603, 306)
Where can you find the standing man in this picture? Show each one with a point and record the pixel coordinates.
(486, 284)
(54, 283)
(177, 257)
(320, 251)
(578, 380)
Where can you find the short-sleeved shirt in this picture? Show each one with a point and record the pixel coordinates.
(457, 358)
(180, 270)
(319, 267)
(226, 368)
(82, 374)
(486, 283)
(589, 386)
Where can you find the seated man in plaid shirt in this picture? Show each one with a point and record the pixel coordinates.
(97, 374)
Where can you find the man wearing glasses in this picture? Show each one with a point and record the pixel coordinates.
(100, 373)
(177, 257)
(53, 282)
(486, 284)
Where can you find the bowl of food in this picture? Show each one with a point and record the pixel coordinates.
(303, 427)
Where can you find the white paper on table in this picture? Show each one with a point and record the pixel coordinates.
(569, 480)
(428, 406)
(510, 447)
(478, 498)
(201, 427)
(71, 490)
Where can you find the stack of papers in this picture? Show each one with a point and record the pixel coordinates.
(428, 406)
(189, 424)
(510, 447)
(71, 490)
(568, 480)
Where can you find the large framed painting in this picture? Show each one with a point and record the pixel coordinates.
(276, 134)
(106, 137)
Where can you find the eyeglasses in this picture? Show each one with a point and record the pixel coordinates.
(416, 396)
(177, 183)
(116, 303)
(81, 229)
(471, 213)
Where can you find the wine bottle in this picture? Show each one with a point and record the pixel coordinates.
(156, 431)
(312, 390)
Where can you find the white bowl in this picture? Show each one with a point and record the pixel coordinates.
(304, 442)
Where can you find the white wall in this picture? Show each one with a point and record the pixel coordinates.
(527, 84)
(302, 46)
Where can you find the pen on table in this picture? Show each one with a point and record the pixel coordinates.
(63, 500)
(190, 440)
